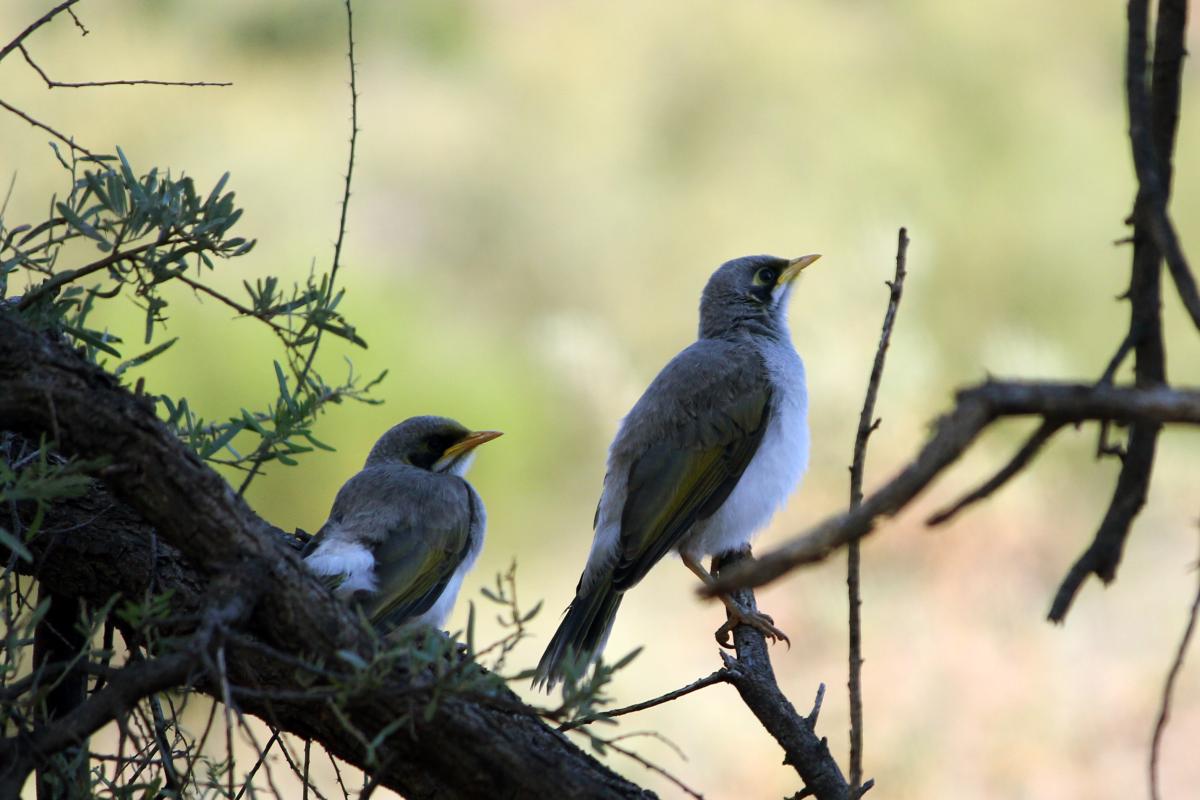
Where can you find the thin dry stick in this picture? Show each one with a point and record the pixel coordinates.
(35, 123)
(976, 408)
(49, 15)
(53, 84)
(866, 425)
(1160, 725)
(337, 247)
(720, 676)
(1043, 434)
(655, 768)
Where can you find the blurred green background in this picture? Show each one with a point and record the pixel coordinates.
(540, 193)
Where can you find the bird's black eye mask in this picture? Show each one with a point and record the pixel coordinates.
(432, 449)
(762, 285)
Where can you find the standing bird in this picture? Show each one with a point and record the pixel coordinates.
(715, 445)
(405, 529)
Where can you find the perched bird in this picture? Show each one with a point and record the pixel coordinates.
(715, 445)
(405, 529)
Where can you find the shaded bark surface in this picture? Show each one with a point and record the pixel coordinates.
(166, 522)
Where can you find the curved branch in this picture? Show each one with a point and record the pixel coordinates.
(751, 674)
(977, 407)
(473, 746)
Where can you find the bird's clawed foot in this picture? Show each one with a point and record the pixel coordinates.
(755, 619)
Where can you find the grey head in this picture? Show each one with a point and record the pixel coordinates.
(437, 444)
(749, 295)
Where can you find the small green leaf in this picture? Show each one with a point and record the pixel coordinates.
(15, 544)
(352, 658)
(233, 429)
(94, 339)
(78, 223)
(137, 361)
(216, 192)
(284, 394)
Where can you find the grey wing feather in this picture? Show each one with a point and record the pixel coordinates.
(419, 525)
(686, 444)
(414, 567)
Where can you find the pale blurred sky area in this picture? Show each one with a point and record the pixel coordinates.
(541, 191)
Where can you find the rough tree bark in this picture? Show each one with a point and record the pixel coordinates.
(191, 529)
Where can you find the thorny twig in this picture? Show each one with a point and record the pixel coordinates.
(867, 423)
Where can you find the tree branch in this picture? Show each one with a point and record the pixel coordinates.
(867, 423)
(720, 676)
(976, 408)
(472, 746)
(23, 35)
(751, 674)
(37, 124)
(1033, 445)
(53, 84)
(1164, 709)
(124, 689)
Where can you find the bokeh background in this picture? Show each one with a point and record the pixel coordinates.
(540, 193)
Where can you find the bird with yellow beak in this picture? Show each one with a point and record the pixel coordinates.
(406, 529)
(713, 448)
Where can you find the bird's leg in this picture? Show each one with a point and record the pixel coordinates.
(735, 614)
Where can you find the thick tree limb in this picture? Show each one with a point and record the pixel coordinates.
(1153, 118)
(976, 409)
(472, 747)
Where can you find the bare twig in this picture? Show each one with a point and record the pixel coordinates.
(720, 676)
(197, 286)
(341, 236)
(977, 407)
(170, 775)
(1032, 446)
(83, 31)
(23, 35)
(302, 376)
(53, 84)
(650, 765)
(1164, 710)
(37, 124)
(866, 425)
(1114, 363)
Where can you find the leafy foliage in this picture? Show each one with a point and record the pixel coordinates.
(155, 230)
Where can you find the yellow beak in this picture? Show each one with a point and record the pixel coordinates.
(794, 267)
(469, 442)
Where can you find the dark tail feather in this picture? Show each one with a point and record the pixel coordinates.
(580, 636)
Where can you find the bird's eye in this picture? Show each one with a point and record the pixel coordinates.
(764, 277)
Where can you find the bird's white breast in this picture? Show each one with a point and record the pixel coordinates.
(772, 474)
(336, 556)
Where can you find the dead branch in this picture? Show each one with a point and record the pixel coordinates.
(23, 35)
(976, 408)
(53, 84)
(1164, 709)
(751, 674)
(867, 423)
